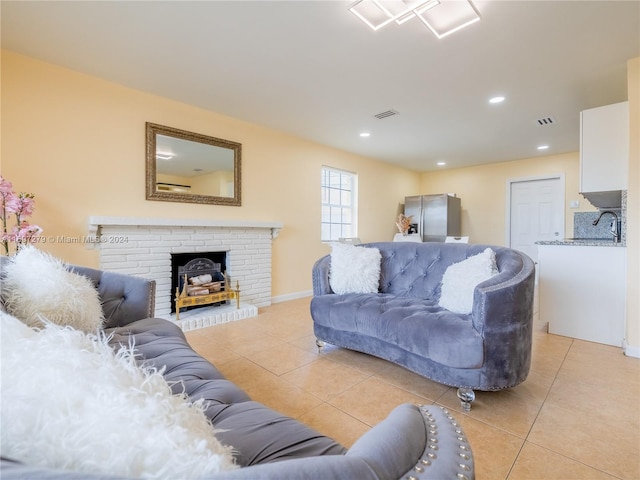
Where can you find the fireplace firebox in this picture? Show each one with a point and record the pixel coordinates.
(200, 280)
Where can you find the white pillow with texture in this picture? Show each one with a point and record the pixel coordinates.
(460, 279)
(69, 401)
(354, 269)
(37, 287)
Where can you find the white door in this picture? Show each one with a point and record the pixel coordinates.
(536, 213)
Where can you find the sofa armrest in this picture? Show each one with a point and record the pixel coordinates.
(396, 448)
(320, 276)
(505, 302)
(124, 298)
(412, 442)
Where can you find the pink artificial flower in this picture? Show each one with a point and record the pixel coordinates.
(21, 205)
(6, 192)
(5, 186)
(11, 203)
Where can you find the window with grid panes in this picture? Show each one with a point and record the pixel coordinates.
(339, 194)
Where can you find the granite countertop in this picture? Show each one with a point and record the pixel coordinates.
(584, 242)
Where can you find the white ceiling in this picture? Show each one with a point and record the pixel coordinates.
(313, 69)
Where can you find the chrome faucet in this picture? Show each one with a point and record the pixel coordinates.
(615, 230)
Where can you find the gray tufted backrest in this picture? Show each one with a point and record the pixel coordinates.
(124, 298)
(416, 269)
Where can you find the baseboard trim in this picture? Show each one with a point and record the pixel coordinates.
(630, 350)
(291, 296)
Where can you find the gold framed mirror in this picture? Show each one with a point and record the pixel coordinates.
(190, 167)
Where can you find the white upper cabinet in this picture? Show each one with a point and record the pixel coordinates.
(604, 148)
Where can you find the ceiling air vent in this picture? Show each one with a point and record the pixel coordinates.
(388, 113)
(546, 121)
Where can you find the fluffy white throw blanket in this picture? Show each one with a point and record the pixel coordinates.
(69, 401)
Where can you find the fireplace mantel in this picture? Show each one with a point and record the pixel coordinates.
(96, 222)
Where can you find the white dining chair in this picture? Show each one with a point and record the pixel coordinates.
(456, 240)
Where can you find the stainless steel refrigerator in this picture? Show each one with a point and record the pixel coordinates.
(434, 217)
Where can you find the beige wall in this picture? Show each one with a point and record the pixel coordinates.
(633, 207)
(483, 192)
(78, 143)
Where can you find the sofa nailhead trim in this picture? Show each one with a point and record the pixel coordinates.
(432, 447)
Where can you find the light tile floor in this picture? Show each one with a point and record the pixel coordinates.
(577, 416)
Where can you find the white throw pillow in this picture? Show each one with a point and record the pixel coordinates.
(460, 279)
(354, 269)
(37, 286)
(69, 401)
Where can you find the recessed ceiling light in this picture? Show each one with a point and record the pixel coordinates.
(365, 134)
(543, 147)
(497, 99)
(441, 164)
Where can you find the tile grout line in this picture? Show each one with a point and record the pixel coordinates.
(555, 377)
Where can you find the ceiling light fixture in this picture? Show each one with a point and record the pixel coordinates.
(442, 17)
(543, 147)
(365, 134)
(378, 13)
(441, 164)
(497, 99)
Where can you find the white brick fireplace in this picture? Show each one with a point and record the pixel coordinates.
(143, 247)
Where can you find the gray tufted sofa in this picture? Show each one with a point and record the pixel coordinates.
(489, 349)
(417, 442)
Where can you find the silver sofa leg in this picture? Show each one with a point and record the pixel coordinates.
(320, 344)
(466, 396)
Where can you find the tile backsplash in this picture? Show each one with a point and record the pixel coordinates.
(583, 222)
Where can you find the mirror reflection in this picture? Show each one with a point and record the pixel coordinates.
(188, 167)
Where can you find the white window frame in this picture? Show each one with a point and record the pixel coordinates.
(342, 203)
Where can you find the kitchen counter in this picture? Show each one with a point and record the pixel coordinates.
(582, 290)
(584, 242)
